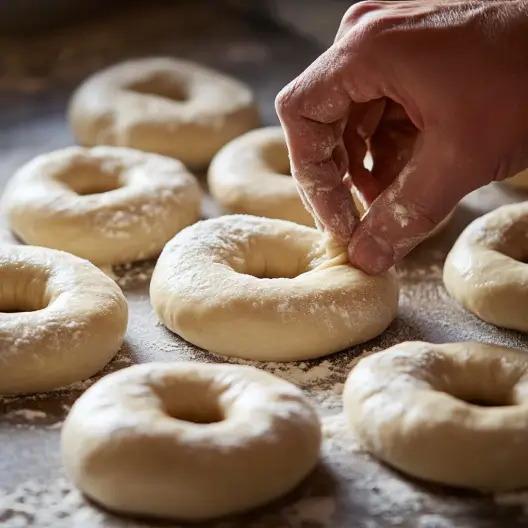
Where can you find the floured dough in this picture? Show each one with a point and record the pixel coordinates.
(455, 414)
(485, 270)
(61, 319)
(189, 441)
(264, 289)
(162, 105)
(251, 175)
(109, 205)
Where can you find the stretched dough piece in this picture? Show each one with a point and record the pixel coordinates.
(263, 289)
(251, 175)
(189, 441)
(455, 414)
(162, 105)
(485, 270)
(106, 204)
(61, 319)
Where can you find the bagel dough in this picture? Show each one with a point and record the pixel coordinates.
(251, 175)
(61, 319)
(455, 414)
(485, 270)
(190, 441)
(107, 204)
(162, 105)
(263, 289)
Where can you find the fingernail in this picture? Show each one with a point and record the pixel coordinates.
(370, 254)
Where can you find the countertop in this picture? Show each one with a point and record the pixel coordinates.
(349, 488)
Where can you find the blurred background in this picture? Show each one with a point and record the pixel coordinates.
(47, 47)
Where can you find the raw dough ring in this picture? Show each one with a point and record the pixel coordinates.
(262, 289)
(189, 441)
(485, 272)
(162, 105)
(251, 175)
(61, 319)
(141, 201)
(410, 407)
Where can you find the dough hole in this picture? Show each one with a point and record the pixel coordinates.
(208, 414)
(275, 156)
(92, 178)
(196, 403)
(25, 292)
(260, 260)
(160, 86)
(488, 403)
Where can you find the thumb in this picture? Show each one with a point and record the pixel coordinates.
(423, 194)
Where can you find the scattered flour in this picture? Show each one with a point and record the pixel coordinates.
(27, 414)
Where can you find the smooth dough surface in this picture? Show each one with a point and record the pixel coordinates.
(455, 414)
(263, 289)
(61, 319)
(107, 204)
(485, 270)
(189, 441)
(162, 105)
(251, 175)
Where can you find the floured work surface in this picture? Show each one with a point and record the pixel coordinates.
(349, 489)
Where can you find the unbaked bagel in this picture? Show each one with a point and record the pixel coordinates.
(107, 204)
(189, 441)
(251, 175)
(162, 105)
(485, 270)
(263, 289)
(61, 319)
(455, 414)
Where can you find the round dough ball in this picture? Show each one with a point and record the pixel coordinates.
(485, 270)
(162, 105)
(106, 204)
(251, 175)
(263, 289)
(190, 441)
(61, 319)
(455, 414)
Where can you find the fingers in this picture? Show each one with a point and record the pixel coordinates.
(422, 195)
(392, 145)
(355, 137)
(314, 110)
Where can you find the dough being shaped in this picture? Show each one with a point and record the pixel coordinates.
(251, 175)
(162, 105)
(454, 414)
(263, 289)
(190, 441)
(485, 270)
(61, 319)
(109, 205)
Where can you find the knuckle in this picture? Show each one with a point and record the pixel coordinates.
(286, 102)
(359, 12)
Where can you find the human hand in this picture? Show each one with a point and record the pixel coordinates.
(436, 90)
